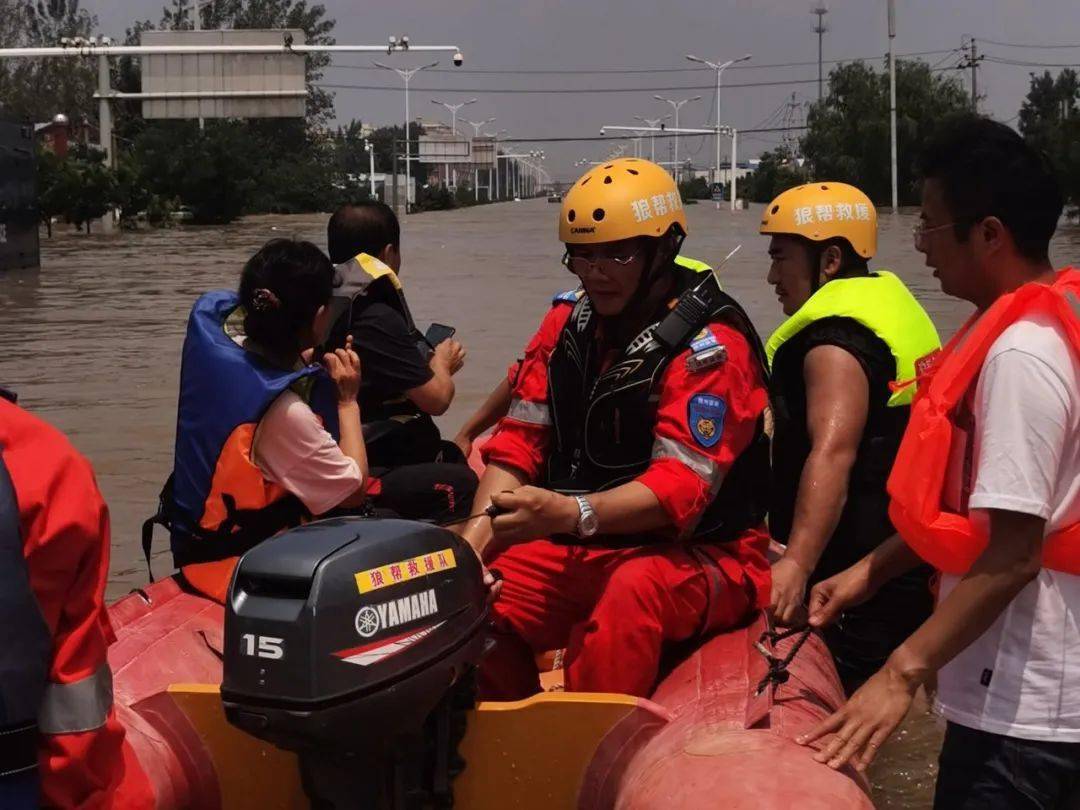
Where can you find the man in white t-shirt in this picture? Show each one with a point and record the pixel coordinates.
(1004, 639)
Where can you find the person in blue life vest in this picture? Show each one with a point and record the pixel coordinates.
(252, 456)
(843, 366)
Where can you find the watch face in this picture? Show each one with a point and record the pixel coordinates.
(589, 524)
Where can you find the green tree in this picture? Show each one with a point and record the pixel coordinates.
(56, 182)
(777, 171)
(848, 135)
(215, 172)
(91, 190)
(38, 89)
(1050, 121)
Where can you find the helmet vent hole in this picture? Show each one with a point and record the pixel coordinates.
(775, 208)
(824, 188)
(598, 215)
(571, 216)
(607, 179)
(586, 180)
(633, 171)
(608, 166)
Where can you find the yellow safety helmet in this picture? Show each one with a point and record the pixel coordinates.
(620, 199)
(824, 210)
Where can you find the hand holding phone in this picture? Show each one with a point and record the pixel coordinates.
(437, 333)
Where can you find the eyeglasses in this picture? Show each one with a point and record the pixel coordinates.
(580, 264)
(919, 230)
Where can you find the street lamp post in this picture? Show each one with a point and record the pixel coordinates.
(371, 166)
(453, 109)
(719, 67)
(406, 75)
(476, 169)
(495, 144)
(676, 105)
(652, 123)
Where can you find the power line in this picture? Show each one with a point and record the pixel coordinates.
(633, 71)
(1021, 45)
(659, 135)
(572, 90)
(1019, 63)
(560, 90)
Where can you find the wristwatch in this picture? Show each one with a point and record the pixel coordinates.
(588, 523)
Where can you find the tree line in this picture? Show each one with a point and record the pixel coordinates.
(234, 167)
(847, 137)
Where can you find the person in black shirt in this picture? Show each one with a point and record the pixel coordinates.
(405, 380)
(843, 367)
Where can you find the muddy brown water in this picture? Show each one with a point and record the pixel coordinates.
(91, 342)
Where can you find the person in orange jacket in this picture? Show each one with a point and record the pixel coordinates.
(986, 488)
(56, 700)
(632, 466)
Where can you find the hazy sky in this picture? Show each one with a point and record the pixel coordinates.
(630, 34)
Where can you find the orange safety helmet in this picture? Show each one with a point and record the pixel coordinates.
(618, 200)
(824, 210)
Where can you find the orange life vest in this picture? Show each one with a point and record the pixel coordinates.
(947, 540)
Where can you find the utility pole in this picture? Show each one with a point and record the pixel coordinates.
(892, 103)
(974, 78)
(820, 28)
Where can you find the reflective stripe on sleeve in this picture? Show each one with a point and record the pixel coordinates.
(531, 413)
(83, 705)
(702, 466)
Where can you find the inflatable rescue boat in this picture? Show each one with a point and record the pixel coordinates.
(338, 676)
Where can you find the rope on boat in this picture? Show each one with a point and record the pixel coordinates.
(778, 672)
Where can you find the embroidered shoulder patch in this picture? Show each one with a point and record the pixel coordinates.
(705, 418)
(569, 296)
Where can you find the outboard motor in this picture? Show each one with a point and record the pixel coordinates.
(353, 642)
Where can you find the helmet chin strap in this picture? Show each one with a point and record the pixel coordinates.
(639, 307)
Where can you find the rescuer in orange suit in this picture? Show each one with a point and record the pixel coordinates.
(63, 745)
(631, 469)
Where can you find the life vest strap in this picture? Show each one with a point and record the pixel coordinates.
(239, 531)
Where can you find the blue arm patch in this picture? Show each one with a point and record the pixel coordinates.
(705, 418)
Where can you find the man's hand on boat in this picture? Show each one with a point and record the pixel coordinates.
(789, 581)
(866, 720)
(530, 512)
(876, 709)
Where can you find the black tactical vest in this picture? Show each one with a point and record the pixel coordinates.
(603, 423)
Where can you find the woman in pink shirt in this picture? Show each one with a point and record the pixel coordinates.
(286, 316)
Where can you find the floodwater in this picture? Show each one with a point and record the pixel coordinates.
(91, 342)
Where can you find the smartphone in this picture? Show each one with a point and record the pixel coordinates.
(438, 332)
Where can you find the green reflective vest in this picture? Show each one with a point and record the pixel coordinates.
(882, 304)
(696, 265)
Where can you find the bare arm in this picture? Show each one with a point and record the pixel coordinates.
(435, 396)
(478, 532)
(851, 587)
(343, 366)
(351, 442)
(1011, 560)
(837, 401)
(494, 408)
